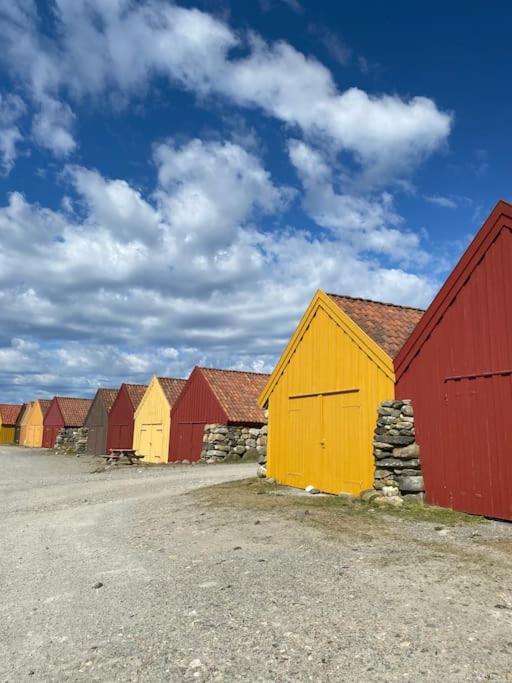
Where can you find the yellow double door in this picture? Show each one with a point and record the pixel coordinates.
(325, 443)
(152, 443)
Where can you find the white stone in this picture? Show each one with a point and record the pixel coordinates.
(390, 491)
(312, 489)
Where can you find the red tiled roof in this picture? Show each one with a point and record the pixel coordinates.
(23, 411)
(172, 388)
(74, 410)
(108, 396)
(237, 392)
(388, 325)
(9, 412)
(135, 393)
(44, 404)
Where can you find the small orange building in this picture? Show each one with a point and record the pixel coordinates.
(31, 432)
(9, 413)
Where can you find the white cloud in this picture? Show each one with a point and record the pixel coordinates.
(439, 200)
(129, 285)
(52, 126)
(120, 46)
(12, 108)
(369, 222)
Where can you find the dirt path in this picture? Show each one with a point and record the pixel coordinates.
(237, 583)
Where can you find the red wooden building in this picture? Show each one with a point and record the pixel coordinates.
(213, 396)
(120, 417)
(457, 369)
(63, 412)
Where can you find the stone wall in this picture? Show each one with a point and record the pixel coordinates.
(396, 453)
(229, 443)
(71, 441)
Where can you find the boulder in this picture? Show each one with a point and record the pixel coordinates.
(409, 452)
(261, 472)
(396, 439)
(251, 455)
(411, 484)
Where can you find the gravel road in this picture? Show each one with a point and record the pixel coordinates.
(133, 575)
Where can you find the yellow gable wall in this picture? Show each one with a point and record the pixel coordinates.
(32, 429)
(322, 410)
(152, 425)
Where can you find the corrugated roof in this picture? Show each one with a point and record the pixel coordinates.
(9, 412)
(74, 410)
(237, 392)
(135, 393)
(172, 388)
(388, 325)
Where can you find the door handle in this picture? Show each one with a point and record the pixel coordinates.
(322, 443)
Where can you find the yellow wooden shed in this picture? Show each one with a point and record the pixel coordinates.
(152, 420)
(324, 392)
(9, 413)
(31, 433)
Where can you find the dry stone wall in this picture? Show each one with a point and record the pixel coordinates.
(396, 453)
(232, 443)
(71, 441)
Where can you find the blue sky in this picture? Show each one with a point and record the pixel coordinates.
(178, 179)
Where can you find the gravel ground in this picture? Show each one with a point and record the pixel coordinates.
(228, 585)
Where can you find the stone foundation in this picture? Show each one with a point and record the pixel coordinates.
(232, 443)
(396, 453)
(71, 441)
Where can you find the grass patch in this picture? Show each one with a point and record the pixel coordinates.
(258, 494)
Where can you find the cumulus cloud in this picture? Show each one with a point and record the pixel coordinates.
(369, 222)
(122, 282)
(121, 45)
(52, 126)
(12, 108)
(126, 285)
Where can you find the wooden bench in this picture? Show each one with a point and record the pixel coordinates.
(118, 454)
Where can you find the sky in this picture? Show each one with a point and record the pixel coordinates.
(177, 180)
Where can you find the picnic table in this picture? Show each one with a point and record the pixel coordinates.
(117, 454)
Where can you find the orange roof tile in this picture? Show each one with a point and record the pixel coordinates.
(74, 410)
(108, 396)
(237, 392)
(44, 404)
(135, 393)
(388, 325)
(172, 388)
(9, 412)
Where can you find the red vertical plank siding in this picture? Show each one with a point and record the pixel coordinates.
(53, 423)
(196, 407)
(458, 373)
(120, 421)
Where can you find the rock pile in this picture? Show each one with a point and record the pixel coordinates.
(232, 443)
(71, 441)
(396, 453)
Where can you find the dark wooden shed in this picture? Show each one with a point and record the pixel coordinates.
(19, 420)
(120, 419)
(62, 412)
(97, 421)
(457, 369)
(213, 396)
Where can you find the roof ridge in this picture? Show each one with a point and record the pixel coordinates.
(373, 301)
(162, 377)
(245, 372)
